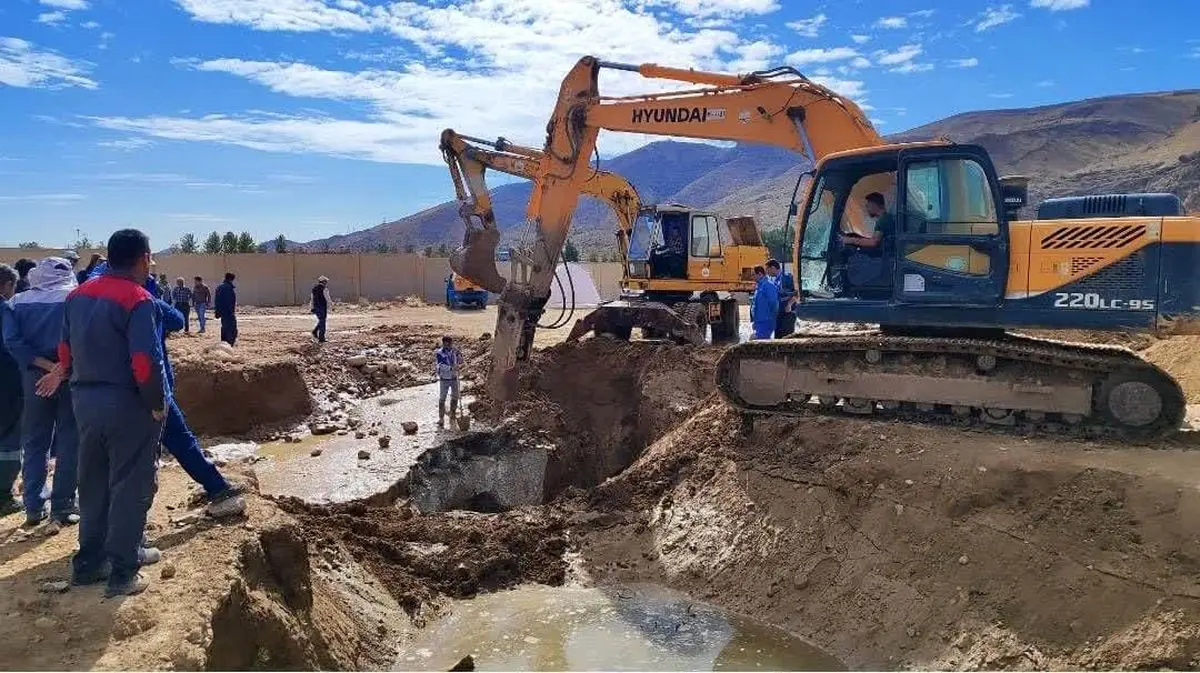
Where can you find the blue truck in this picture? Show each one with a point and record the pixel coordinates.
(462, 293)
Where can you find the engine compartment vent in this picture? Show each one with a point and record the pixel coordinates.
(1110, 205)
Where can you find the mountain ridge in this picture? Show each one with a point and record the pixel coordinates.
(1128, 142)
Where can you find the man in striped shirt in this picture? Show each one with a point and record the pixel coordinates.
(181, 299)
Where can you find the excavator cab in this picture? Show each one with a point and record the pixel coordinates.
(904, 225)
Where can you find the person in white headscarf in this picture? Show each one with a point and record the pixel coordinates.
(33, 328)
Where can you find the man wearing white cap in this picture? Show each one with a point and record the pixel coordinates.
(320, 307)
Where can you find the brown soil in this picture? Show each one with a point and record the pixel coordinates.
(234, 399)
(900, 546)
(1180, 357)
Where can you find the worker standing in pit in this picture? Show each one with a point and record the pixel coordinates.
(765, 305)
(448, 361)
(785, 321)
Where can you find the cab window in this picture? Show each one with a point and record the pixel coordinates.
(706, 238)
(949, 196)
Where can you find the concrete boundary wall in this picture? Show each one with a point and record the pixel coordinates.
(287, 279)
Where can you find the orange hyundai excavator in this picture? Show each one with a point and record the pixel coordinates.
(658, 295)
(945, 270)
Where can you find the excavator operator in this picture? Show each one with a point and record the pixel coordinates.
(867, 260)
(670, 260)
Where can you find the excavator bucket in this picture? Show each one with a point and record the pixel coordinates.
(476, 260)
(619, 318)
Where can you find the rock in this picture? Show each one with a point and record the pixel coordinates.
(410, 428)
(321, 428)
(168, 571)
(392, 368)
(363, 454)
(314, 453)
(370, 369)
(486, 336)
(963, 560)
(385, 441)
(360, 435)
(356, 360)
(45, 623)
(464, 424)
(54, 586)
(372, 432)
(467, 663)
(343, 433)
(187, 519)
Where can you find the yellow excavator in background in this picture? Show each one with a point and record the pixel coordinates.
(946, 269)
(661, 293)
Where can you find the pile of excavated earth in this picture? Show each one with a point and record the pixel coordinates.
(884, 544)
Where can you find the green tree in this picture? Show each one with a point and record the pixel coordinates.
(779, 243)
(245, 243)
(82, 242)
(212, 243)
(382, 248)
(280, 244)
(428, 252)
(570, 252)
(229, 243)
(443, 251)
(187, 243)
(409, 249)
(28, 245)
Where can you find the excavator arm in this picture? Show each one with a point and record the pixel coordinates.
(469, 158)
(779, 107)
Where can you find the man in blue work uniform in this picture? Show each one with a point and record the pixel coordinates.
(224, 499)
(10, 403)
(112, 353)
(225, 308)
(765, 305)
(31, 334)
(785, 321)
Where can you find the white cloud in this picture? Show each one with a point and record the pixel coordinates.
(860, 39)
(126, 144)
(965, 62)
(905, 53)
(860, 62)
(808, 27)
(808, 56)
(708, 8)
(923, 13)
(995, 16)
(892, 22)
(44, 198)
(24, 66)
(90, 25)
(65, 4)
(1059, 5)
(51, 18)
(488, 48)
(1046, 83)
(911, 67)
(849, 88)
(1000, 95)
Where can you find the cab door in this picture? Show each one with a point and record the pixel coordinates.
(951, 239)
(705, 260)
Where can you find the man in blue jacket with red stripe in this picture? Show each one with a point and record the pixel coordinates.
(112, 352)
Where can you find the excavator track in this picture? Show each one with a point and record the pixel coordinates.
(1013, 381)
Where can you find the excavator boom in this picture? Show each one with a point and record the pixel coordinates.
(779, 107)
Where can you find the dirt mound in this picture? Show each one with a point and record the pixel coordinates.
(235, 399)
(899, 546)
(422, 559)
(603, 401)
(1180, 357)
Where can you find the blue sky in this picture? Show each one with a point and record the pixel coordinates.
(316, 117)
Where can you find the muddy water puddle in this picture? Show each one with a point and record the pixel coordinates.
(331, 468)
(622, 628)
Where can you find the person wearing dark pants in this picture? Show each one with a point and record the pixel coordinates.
(181, 299)
(32, 329)
(224, 499)
(112, 352)
(225, 309)
(785, 321)
(320, 307)
(10, 404)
